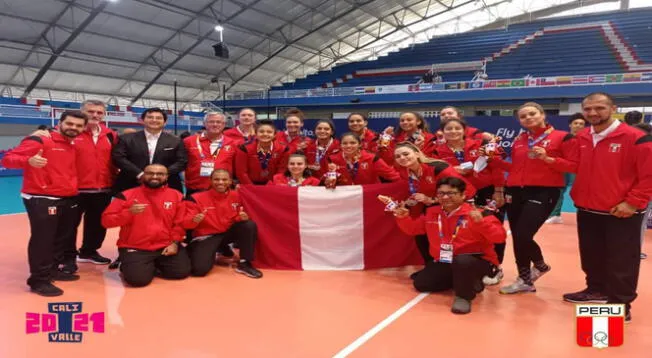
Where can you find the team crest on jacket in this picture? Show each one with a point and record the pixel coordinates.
(364, 165)
(473, 153)
(167, 205)
(545, 143)
(235, 206)
(430, 179)
(614, 147)
(227, 148)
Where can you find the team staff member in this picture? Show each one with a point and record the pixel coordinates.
(49, 194)
(422, 174)
(462, 248)
(458, 151)
(576, 123)
(216, 218)
(540, 156)
(207, 151)
(258, 162)
(297, 173)
(356, 166)
(612, 188)
(150, 146)
(292, 137)
(325, 145)
(358, 123)
(150, 218)
(245, 131)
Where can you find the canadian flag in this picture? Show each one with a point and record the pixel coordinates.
(314, 228)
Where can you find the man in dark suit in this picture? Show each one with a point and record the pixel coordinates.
(135, 151)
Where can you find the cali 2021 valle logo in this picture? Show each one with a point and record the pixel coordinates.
(65, 322)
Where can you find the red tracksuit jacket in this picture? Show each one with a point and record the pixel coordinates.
(427, 183)
(472, 237)
(221, 212)
(311, 155)
(617, 169)
(248, 167)
(153, 229)
(369, 140)
(388, 153)
(491, 175)
(202, 153)
(281, 179)
(283, 139)
(535, 172)
(58, 178)
(95, 169)
(237, 137)
(370, 169)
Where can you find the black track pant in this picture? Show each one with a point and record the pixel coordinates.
(610, 252)
(464, 275)
(528, 210)
(139, 266)
(202, 252)
(52, 226)
(480, 199)
(91, 207)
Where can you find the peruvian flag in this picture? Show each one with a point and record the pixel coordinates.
(314, 228)
(600, 326)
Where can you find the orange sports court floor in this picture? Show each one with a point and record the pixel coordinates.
(311, 314)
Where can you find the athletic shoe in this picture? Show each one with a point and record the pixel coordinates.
(461, 306)
(46, 289)
(246, 269)
(585, 296)
(535, 274)
(555, 220)
(94, 258)
(495, 277)
(59, 275)
(478, 286)
(518, 286)
(69, 267)
(643, 256)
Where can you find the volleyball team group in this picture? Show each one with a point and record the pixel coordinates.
(460, 188)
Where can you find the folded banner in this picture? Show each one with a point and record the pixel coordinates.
(314, 228)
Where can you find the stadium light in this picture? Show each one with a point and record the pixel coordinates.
(219, 28)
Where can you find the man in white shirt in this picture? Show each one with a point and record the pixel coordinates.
(137, 150)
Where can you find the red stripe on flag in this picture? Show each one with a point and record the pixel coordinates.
(275, 210)
(616, 331)
(384, 243)
(585, 331)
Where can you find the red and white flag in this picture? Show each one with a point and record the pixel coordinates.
(314, 228)
(600, 325)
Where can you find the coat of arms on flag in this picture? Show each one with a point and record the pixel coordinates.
(600, 325)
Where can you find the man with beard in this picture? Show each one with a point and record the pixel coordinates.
(149, 218)
(49, 194)
(611, 191)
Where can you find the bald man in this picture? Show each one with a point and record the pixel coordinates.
(149, 217)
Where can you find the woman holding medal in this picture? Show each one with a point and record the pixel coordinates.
(461, 246)
(258, 162)
(321, 148)
(354, 166)
(297, 173)
(422, 174)
(293, 137)
(468, 157)
(540, 156)
(412, 128)
(245, 132)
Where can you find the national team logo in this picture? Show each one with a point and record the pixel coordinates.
(600, 325)
(473, 153)
(235, 206)
(430, 180)
(545, 143)
(167, 205)
(227, 148)
(364, 166)
(614, 147)
(52, 210)
(65, 322)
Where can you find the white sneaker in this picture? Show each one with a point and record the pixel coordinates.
(490, 281)
(516, 287)
(555, 220)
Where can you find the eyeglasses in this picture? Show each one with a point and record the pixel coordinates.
(156, 174)
(447, 193)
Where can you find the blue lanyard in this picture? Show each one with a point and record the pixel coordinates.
(459, 154)
(413, 184)
(322, 152)
(532, 142)
(460, 220)
(249, 139)
(353, 169)
(263, 159)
